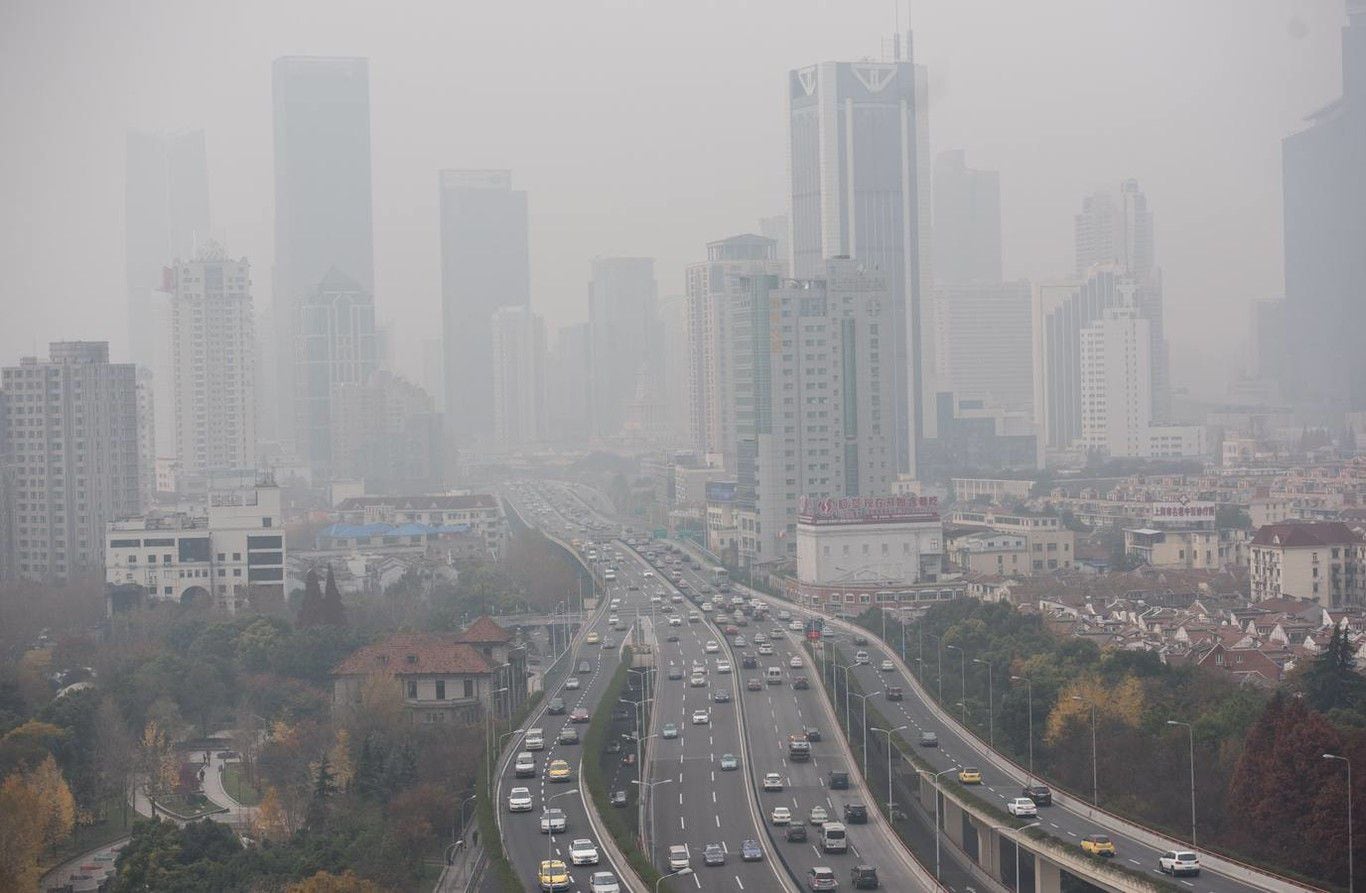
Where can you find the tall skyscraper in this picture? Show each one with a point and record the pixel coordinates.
(1325, 229)
(334, 328)
(484, 266)
(166, 214)
(385, 432)
(323, 216)
(859, 169)
(1116, 229)
(812, 391)
(518, 373)
(712, 286)
(967, 222)
(623, 330)
(73, 433)
(568, 383)
(213, 351)
(984, 349)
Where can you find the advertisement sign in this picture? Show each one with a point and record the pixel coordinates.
(1183, 512)
(721, 491)
(813, 509)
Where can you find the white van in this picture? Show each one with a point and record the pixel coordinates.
(774, 676)
(833, 838)
(534, 740)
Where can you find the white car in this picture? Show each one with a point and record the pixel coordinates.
(612, 619)
(697, 680)
(781, 815)
(795, 626)
(1022, 806)
(675, 621)
(773, 782)
(760, 638)
(649, 575)
(519, 800)
(572, 683)
(723, 668)
(711, 647)
(553, 821)
(886, 666)
(603, 882)
(700, 717)
(861, 658)
(766, 650)
(583, 852)
(1174, 862)
(796, 662)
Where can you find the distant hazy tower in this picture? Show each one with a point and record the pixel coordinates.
(859, 169)
(967, 222)
(518, 374)
(323, 215)
(484, 266)
(623, 327)
(213, 357)
(73, 431)
(166, 212)
(1117, 229)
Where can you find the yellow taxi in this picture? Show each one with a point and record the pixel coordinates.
(553, 875)
(969, 775)
(593, 639)
(1098, 845)
(558, 771)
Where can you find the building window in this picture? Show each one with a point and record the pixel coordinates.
(441, 689)
(412, 691)
(469, 688)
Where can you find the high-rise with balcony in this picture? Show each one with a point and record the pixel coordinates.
(860, 187)
(72, 423)
(323, 214)
(214, 361)
(484, 266)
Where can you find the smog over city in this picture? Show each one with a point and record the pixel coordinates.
(644, 445)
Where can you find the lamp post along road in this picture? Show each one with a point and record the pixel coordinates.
(679, 873)
(1030, 683)
(937, 830)
(1095, 775)
(1351, 856)
(545, 810)
(888, 733)
(650, 786)
(991, 702)
(863, 731)
(963, 680)
(1190, 734)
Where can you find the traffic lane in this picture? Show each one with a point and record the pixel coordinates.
(525, 844)
(702, 804)
(954, 751)
(872, 843)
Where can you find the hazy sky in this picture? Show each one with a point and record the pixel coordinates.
(650, 128)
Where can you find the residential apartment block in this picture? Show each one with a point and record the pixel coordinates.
(1052, 547)
(1324, 561)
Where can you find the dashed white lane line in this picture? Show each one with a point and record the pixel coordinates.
(681, 824)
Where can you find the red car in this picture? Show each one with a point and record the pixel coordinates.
(731, 630)
(579, 714)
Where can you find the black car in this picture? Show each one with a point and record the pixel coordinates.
(721, 696)
(796, 833)
(800, 683)
(839, 781)
(675, 672)
(860, 640)
(863, 877)
(1039, 793)
(672, 637)
(813, 734)
(555, 707)
(619, 799)
(749, 662)
(855, 814)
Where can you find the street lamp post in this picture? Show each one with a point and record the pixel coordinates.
(963, 683)
(650, 786)
(1351, 855)
(473, 796)
(1095, 775)
(491, 762)
(1030, 683)
(1019, 832)
(679, 873)
(863, 731)
(991, 702)
(888, 733)
(845, 668)
(1190, 734)
(545, 810)
(937, 831)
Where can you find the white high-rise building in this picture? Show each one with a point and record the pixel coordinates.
(813, 391)
(1118, 229)
(519, 358)
(712, 287)
(213, 353)
(859, 165)
(72, 425)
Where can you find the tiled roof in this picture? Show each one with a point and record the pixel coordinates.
(414, 654)
(482, 631)
(1323, 533)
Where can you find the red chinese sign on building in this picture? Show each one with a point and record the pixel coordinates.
(812, 509)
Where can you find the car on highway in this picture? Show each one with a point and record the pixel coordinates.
(700, 717)
(723, 667)
(795, 626)
(585, 667)
(693, 617)
(855, 814)
(555, 707)
(773, 676)
(781, 815)
(863, 877)
(812, 733)
(1175, 862)
(969, 775)
(671, 637)
(553, 875)
(534, 740)
(608, 644)
(766, 650)
(713, 855)
(572, 683)
(579, 714)
(796, 834)
(741, 642)
(721, 696)
(553, 821)
(675, 621)
(929, 739)
(821, 877)
(1021, 807)
(679, 857)
(818, 815)
(519, 800)
(893, 693)
(773, 782)
(526, 765)
(795, 662)
(861, 657)
(749, 661)
(1041, 794)
(760, 639)
(619, 799)
(675, 672)
(558, 771)
(886, 666)
(669, 731)
(568, 735)
(839, 780)
(711, 647)
(603, 882)
(1098, 845)
(697, 680)
(729, 762)
(801, 683)
(583, 852)
(593, 638)
(754, 684)
(784, 615)
(750, 851)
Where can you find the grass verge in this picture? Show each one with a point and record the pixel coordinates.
(237, 785)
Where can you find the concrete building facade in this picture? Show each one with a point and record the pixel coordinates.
(1324, 561)
(518, 367)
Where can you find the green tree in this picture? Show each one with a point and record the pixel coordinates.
(310, 609)
(1331, 681)
(333, 612)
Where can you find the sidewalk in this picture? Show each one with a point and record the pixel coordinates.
(237, 815)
